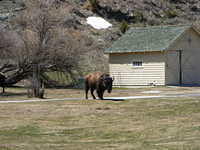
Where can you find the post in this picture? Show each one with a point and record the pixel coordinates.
(36, 80)
(180, 68)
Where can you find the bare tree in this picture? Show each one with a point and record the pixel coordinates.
(40, 40)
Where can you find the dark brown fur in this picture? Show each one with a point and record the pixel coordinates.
(97, 81)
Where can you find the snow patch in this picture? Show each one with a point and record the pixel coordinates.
(98, 23)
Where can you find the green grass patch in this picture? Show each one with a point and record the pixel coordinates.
(28, 130)
(60, 77)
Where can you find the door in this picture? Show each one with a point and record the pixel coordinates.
(190, 67)
(172, 68)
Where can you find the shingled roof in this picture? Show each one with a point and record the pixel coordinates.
(145, 39)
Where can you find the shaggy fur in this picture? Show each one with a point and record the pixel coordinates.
(98, 81)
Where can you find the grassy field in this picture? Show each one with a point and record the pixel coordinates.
(16, 93)
(150, 124)
(21, 93)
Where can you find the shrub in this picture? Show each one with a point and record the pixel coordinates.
(138, 16)
(93, 4)
(171, 13)
(124, 26)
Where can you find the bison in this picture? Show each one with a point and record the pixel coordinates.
(98, 81)
(2, 81)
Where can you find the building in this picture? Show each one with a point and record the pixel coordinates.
(160, 55)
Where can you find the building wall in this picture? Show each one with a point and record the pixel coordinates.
(172, 75)
(152, 70)
(160, 68)
(189, 44)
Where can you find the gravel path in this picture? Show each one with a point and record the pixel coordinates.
(106, 98)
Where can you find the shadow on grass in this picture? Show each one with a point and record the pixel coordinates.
(6, 94)
(116, 99)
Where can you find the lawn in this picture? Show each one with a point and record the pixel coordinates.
(146, 124)
(17, 93)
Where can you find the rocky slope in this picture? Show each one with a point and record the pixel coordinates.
(134, 12)
(154, 12)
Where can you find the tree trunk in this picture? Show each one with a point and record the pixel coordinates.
(36, 81)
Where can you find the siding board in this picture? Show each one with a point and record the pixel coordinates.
(151, 71)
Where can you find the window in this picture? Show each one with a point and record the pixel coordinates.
(137, 63)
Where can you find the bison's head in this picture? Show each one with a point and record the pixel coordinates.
(107, 82)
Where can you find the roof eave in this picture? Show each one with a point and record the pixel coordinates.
(171, 45)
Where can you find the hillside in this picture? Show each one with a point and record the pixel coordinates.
(154, 12)
(133, 12)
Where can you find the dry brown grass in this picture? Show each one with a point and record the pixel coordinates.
(21, 93)
(132, 124)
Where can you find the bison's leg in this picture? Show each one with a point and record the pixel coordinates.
(100, 94)
(86, 92)
(86, 88)
(92, 93)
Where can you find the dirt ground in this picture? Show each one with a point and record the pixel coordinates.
(21, 93)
